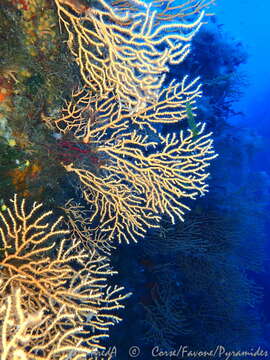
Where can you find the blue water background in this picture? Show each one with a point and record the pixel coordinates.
(248, 22)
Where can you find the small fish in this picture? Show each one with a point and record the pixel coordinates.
(3, 207)
(191, 120)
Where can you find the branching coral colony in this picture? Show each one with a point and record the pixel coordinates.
(54, 299)
(123, 51)
(55, 302)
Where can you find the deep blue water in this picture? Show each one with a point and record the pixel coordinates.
(248, 22)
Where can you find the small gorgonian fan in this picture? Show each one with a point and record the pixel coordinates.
(56, 286)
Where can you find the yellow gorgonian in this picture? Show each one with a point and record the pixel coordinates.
(58, 280)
